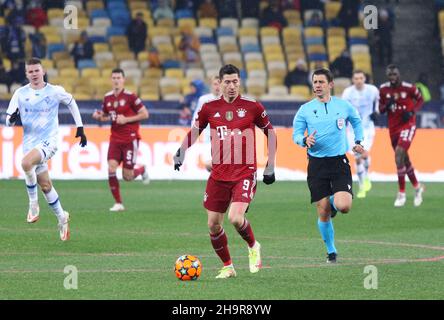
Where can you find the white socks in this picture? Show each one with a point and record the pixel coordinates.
(31, 185)
(53, 200)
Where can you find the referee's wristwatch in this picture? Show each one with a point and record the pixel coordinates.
(358, 142)
(304, 141)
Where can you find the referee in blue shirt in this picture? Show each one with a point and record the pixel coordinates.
(329, 177)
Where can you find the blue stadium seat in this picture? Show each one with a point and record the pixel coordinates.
(115, 31)
(96, 39)
(224, 31)
(250, 47)
(207, 40)
(171, 64)
(55, 47)
(353, 41)
(98, 13)
(317, 57)
(116, 6)
(86, 63)
(120, 18)
(184, 13)
(314, 41)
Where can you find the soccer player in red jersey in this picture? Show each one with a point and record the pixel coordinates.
(401, 100)
(125, 110)
(232, 183)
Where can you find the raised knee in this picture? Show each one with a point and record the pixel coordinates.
(46, 187)
(127, 177)
(344, 208)
(26, 165)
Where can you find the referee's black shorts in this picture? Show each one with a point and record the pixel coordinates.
(328, 175)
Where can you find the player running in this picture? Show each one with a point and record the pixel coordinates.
(329, 177)
(401, 100)
(364, 97)
(37, 105)
(125, 110)
(232, 183)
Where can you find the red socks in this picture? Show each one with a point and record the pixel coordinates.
(138, 172)
(401, 179)
(220, 245)
(114, 187)
(246, 233)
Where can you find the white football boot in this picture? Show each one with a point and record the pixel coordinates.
(64, 228)
(33, 212)
(117, 207)
(417, 201)
(400, 199)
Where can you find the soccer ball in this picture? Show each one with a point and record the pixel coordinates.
(188, 267)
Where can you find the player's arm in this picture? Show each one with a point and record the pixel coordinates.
(355, 120)
(375, 113)
(263, 122)
(419, 101)
(299, 127)
(198, 126)
(12, 113)
(68, 100)
(101, 115)
(140, 109)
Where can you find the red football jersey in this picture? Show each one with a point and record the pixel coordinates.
(406, 97)
(233, 140)
(125, 103)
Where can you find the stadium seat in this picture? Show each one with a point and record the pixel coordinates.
(278, 90)
(98, 13)
(268, 31)
(90, 73)
(231, 23)
(65, 63)
(194, 73)
(177, 73)
(154, 73)
(224, 31)
(128, 64)
(252, 23)
(309, 13)
(55, 47)
(86, 63)
(183, 13)
(332, 9)
(69, 73)
(208, 22)
(302, 91)
(293, 17)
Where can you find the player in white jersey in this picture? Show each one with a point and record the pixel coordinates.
(37, 105)
(365, 98)
(215, 93)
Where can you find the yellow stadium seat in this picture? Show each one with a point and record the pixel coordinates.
(85, 89)
(2, 21)
(293, 17)
(55, 13)
(174, 73)
(107, 64)
(155, 73)
(90, 73)
(149, 96)
(332, 9)
(137, 5)
(336, 32)
(357, 32)
(69, 72)
(275, 82)
(313, 32)
(255, 65)
(301, 90)
(65, 63)
(49, 30)
(93, 5)
(208, 22)
(146, 13)
(101, 47)
(46, 63)
(186, 24)
(316, 49)
(166, 22)
(83, 96)
(269, 31)
(61, 55)
(247, 32)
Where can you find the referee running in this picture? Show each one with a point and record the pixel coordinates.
(329, 177)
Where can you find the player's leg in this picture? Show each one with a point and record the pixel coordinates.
(400, 154)
(369, 136)
(360, 170)
(130, 173)
(242, 194)
(53, 200)
(419, 187)
(114, 158)
(216, 201)
(29, 163)
(326, 229)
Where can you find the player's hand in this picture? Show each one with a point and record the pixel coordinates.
(391, 105)
(178, 159)
(12, 119)
(269, 177)
(406, 115)
(310, 140)
(374, 116)
(358, 148)
(121, 119)
(80, 133)
(97, 115)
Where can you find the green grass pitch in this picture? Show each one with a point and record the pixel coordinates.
(131, 255)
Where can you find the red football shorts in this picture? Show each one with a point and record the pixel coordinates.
(124, 152)
(403, 138)
(219, 194)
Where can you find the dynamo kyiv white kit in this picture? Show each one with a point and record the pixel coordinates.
(39, 115)
(365, 101)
